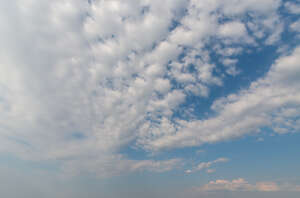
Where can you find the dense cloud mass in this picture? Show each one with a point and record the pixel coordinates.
(80, 80)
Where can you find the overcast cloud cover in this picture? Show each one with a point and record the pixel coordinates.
(112, 88)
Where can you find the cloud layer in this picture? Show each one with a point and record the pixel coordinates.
(80, 80)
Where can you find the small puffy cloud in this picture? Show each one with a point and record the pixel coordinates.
(295, 26)
(293, 7)
(232, 29)
(234, 185)
(264, 104)
(230, 65)
(267, 186)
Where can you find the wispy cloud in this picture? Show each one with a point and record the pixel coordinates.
(207, 165)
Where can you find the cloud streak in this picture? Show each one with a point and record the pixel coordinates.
(207, 165)
(241, 184)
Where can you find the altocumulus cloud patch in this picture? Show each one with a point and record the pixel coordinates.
(119, 72)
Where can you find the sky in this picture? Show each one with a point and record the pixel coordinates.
(150, 98)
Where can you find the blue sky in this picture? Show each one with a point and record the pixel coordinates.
(139, 98)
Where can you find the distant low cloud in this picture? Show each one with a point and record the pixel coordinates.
(241, 184)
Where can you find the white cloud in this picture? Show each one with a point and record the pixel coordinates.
(230, 65)
(79, 81)
(207, 165)
(116, 164)
(210, 171)
(239, 7)
(293, 7)
(243, 185)
(263, 104)
(233, 29)
(295, 26)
